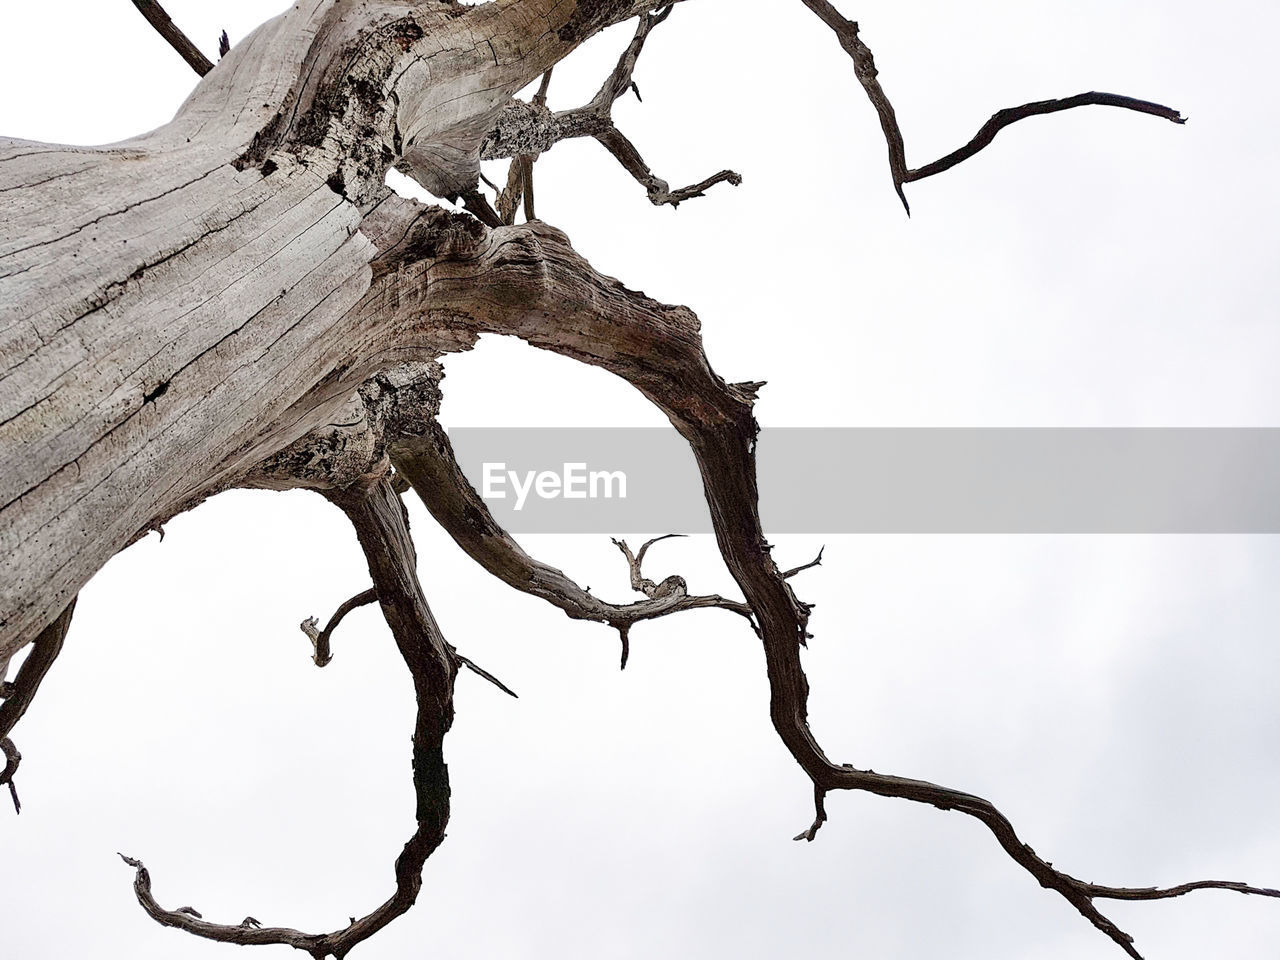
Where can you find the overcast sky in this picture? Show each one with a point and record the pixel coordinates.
(1116, 696)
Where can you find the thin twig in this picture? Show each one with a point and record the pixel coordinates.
(864, 67)
(816, 561)
(482, 672)
(658, 190)
(819, 816)
(12, 759)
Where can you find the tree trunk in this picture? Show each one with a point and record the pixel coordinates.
(179, 306)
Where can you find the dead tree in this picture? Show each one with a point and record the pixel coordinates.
(237, 299)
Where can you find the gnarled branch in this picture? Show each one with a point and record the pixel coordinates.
(381, 525)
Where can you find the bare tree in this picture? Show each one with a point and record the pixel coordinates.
(238, 300)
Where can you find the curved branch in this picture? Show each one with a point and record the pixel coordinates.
(427, 461)
(565, 306)
(44, 651)
(639, 582)
(524, 130)
(243, 934)
(864, 68)
(1002, 118)
(322, 654)
(1098, 891)
(12, 758)
(815, 562)
(381, 525)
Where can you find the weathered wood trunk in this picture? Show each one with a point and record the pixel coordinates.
(176, 307)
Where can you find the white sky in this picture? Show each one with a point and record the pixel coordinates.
(1116, 696)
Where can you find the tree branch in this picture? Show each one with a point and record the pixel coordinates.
(815, 562)
(1002, 119)
(320, 638)
(564, 306)
(528, 129)
(189, 52)
(427, 461)
(22, 690)
(639, 582)
(659, 191)
(864, 68)
(381, 525)
(509, 199)
(12, 758)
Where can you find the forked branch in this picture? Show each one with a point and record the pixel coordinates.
(526, 130)
(427, 461)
